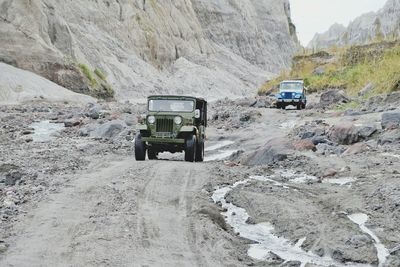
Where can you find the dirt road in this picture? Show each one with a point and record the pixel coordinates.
(119, 212)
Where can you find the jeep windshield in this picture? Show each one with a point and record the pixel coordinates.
(291, 87)
(168, 105)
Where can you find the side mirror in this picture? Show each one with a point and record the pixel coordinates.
(197, 114)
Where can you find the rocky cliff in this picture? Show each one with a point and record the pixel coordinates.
(201, 47)
(373, 26)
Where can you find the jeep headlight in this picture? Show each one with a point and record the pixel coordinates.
(297, 96)
(151, 119)
(178, 120)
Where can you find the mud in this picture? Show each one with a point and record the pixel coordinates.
(69, 197)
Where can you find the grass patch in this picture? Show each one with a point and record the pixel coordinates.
(350, 69)
(88, 73)
(100, 74)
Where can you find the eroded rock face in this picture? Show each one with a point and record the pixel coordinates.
(370, 26)
(210, 48)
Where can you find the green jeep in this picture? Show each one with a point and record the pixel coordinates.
(173, 124)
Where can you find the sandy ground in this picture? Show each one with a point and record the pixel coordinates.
(110, 210)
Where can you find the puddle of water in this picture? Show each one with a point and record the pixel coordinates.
(297, 178)
(44, 130)
(220, 155)
(340, 181)
(219, 145)
(263, 233)
(361, 219)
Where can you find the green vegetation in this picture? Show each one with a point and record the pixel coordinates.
(88, 73)
(100, 74)
(98, 83)
(350, 69)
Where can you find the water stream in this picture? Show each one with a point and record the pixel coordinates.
(262, 233)
(44, 131)
(361, 219)
(216, 152)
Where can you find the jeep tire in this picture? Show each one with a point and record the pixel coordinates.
(151, 154)
(299, 106)
(190, 149)
(200, 151)
(140, 148)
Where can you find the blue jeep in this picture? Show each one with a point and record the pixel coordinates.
(292, 93)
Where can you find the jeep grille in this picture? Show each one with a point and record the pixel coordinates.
(288, 95)
(164, 125)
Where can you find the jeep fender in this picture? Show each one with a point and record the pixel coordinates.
(142, 128)
(189, 129)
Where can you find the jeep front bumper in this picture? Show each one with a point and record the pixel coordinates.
(160, 140)
(289, 100)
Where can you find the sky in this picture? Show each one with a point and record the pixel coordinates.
(312, 16)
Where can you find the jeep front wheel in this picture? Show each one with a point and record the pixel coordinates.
(190, 150)
(200, 151)
(140, 148)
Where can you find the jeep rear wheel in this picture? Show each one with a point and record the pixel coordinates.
(140, 148)
(190, 150)
(200, 151)
(151, 154)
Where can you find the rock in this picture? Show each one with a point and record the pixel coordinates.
(109, 130)
(291, 264)
(390, 136)
(344, 133)
(368, 88)
(333, 96)
(72, 122)
(274, 259)
(305, 144)
(3, 247)
(249, 116)
(94, 111)
(12, 178)
(356, 149)
(329, 173)
(250, 220)
(273, 151)
(320, 70)
(391, 120)
(319, 140)
(367, 131)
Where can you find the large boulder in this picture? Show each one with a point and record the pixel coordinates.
(109, 130)
(391, 120)
(333, 96)
(344, 133)
(275, 150)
